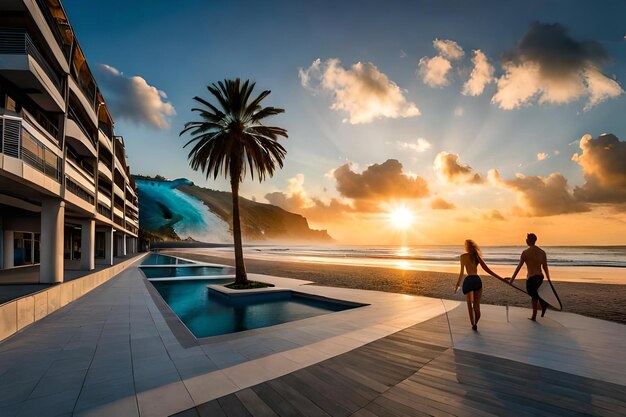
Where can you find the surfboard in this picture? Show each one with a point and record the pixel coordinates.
(548, 294)
(511, 285)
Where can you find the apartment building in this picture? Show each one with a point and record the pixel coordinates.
(66, 194)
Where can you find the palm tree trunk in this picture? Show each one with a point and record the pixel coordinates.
(240, 268)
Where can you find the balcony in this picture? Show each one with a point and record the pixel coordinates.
(105, 141)
(118, 191)
(23, 65)
(23, 143)
(80, 175)
(104, 210)
(79, 191)
(78, 138)
(104, 169)
(86, 101)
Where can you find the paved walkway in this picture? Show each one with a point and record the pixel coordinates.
(24, 280)
(119, 351)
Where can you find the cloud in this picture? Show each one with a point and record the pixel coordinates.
(441, 204)
(448, 49)
(459, 111)
(494, 215)
(295, 199)
(132, 98)
(451, 171)
(420, 145)
(551, 67)
(362, 91)
(540, 196)
(379, 182)
(481, 75)
(603, 161)
(542, 156)
(434, 71)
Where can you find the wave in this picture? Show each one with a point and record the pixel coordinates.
(615, 257)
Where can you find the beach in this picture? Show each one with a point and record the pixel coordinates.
(603, 301)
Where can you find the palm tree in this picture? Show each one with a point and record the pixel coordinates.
(231, 139)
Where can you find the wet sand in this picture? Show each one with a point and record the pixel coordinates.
(603, 301)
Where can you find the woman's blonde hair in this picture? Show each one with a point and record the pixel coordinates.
(474, 251)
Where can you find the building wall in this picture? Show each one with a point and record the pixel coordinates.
(58, 148)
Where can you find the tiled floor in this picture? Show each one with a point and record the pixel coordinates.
(114, 352)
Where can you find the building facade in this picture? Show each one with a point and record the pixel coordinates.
(66, 194)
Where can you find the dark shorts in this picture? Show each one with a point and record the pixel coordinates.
(532, 286)
(472, 283)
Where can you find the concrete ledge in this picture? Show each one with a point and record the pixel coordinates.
(229, 292)
(21, 312)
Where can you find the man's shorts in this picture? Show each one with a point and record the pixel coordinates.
(532, 285)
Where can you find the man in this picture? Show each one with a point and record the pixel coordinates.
(535, 259)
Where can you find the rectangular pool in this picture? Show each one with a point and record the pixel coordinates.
(185, 271)
(157, 259)
(207, 314)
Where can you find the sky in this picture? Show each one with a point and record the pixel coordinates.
(410, 122)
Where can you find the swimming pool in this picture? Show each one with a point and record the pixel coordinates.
(206, 313)
(185, 271)
(157, 259)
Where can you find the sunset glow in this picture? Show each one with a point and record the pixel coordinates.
(485, 133)
(401, 218)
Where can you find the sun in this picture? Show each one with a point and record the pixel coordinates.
(401, 218)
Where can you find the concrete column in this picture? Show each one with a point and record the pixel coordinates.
(108, 246)
(8, 246)
(124, 239)
(52, 221)
(88, 245)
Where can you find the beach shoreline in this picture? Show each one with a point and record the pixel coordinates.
(602, 301)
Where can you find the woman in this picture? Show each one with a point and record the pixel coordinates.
(472, 285)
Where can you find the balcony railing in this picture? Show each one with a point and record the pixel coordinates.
(17, 142)
(77, 190)
(73, 116)
(105, 211)
(42, 124)
(17, 41)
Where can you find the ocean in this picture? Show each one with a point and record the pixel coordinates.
(572, 256)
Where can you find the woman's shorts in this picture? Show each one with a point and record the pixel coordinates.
(472, 283)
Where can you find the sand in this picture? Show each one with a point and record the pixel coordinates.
(603, 301)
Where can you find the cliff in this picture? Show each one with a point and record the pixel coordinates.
(168, 210)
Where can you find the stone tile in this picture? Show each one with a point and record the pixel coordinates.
(60, 403)
(64, 366)
(124, 407)
(68, 381)
(14, 392)
(226, 359)
(164, 400)
(101, 394)
(207, 387)
(193, 366)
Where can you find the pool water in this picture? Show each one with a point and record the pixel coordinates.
(206, 313)
(185, 271)
(156, 259)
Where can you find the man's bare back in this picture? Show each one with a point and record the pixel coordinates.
(534, 257)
